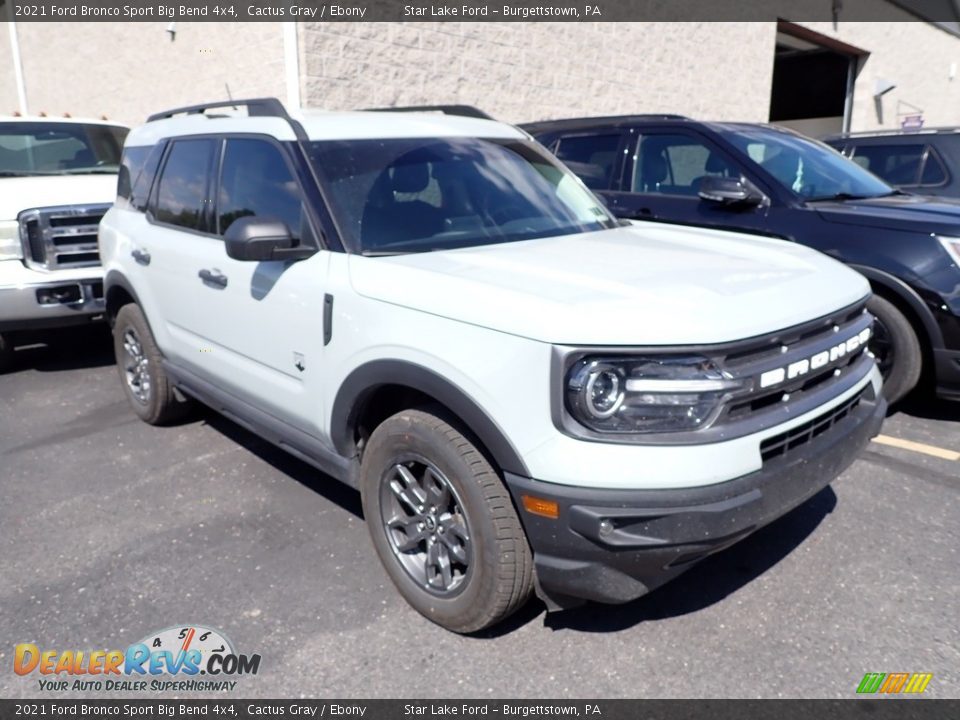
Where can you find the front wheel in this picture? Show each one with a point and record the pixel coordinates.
(896, 348)
(443, 524)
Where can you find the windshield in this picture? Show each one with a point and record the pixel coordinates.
(59, 148)
(414, 195)
(808, 168)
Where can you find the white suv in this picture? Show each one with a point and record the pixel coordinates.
(58, 176)
(432, 309)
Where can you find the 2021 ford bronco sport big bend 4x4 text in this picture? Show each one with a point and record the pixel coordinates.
(434, 310)
(57, 179)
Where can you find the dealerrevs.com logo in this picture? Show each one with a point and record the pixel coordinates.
(172, 660)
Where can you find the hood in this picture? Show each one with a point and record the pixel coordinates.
(647, 284)
(21, 193)
(918, 213)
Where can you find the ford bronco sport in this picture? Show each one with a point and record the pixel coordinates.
(528, 393)
(57, 178)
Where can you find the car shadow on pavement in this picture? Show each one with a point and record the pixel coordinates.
(705, 584)
(304, 473)
(76, 348)
(710, 581)
(927, 407)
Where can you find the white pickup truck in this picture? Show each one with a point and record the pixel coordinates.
(58, 176)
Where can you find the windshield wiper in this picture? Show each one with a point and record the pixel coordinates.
(408, 251)
(841, 196)
(92, 171)
(16, 173)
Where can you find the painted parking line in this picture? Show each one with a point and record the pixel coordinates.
(932, 450)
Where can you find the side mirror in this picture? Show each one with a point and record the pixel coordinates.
(728, 191)
(261, 239)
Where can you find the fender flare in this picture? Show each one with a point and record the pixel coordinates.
(909, 297)
(367, 378)
(116, 279)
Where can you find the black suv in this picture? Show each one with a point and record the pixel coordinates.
(772, 181)
(925, 162)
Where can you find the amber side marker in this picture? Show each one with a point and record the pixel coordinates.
(541, 507)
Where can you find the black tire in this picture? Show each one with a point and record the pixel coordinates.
(6, 353)
(896, 348)
(497, 578)
(146, 385)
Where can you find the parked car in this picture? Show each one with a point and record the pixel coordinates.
(58, 176)
(772, 181)
(925, 162)
(434, 310)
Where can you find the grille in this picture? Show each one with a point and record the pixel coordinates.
(786, 348)
(61, 237)
(782, 444)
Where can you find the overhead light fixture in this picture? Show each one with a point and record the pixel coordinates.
(881, 87)
(172, 31)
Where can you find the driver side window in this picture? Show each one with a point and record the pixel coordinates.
(676, 164)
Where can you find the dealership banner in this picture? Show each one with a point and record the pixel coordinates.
(549, 709)
(475, 10)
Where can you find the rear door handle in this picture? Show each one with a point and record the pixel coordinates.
(213, 277)
(141, 256)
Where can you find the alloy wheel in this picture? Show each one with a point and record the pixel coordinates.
(136, 367)
(425, 526)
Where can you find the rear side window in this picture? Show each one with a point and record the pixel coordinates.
(592, 157)
(933, 172)
(182, 188)
(131, 164)
(255, 180)
(897, 164)
(137, 170)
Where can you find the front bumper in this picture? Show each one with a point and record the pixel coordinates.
(615, 545)
(53, 302)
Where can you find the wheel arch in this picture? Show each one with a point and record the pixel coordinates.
(906, 299)
(374, 391)
(118, 292)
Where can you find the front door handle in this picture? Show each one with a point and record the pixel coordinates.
(141, 256)
(213, 277)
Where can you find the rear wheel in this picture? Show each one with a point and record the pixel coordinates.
(443, 524)
(896, 348)
(139, 363)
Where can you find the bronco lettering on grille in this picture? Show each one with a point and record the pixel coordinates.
(821, 359)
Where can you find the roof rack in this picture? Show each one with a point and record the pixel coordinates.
(461, 110)
(933, 130)
(612, 120)
(256, 107)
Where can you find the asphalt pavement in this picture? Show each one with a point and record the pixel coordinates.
(111, 530)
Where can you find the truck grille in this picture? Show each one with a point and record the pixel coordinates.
(809, 360)
(56, 238)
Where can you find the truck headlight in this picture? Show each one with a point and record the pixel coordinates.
(10, 248)
(625, 395)
(952, 246)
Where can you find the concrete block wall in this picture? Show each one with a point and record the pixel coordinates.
(531, 71)
(128, 70)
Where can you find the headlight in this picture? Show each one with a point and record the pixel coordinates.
(10, 248)
(952, 246)
(627, 395)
